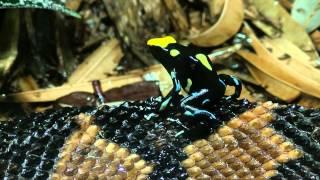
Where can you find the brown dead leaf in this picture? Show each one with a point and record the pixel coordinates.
(273, 86)
(227, 25)
(99, 64)
(216, 7)
(270, 65)
(27, 83)
(290, 55)
(275, 21)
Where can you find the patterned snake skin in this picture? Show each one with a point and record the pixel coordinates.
(133, 141)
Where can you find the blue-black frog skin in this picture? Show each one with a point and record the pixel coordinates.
(193, 72)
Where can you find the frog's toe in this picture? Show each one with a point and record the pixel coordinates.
(165, 104)
(198, 113)
(205, 102)
(188, 113)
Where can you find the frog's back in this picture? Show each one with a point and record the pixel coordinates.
(203, 78)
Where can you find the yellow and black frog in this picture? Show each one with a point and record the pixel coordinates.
(193, 72)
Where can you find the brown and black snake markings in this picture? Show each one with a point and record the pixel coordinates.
(253, 142)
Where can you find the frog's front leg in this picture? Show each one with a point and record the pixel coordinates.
(192, 104)
(174, 93)
(232, 81)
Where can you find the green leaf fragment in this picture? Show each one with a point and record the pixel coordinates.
(40, 4)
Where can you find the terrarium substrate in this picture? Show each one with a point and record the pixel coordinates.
(134, 141)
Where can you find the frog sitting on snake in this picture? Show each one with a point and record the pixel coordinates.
(193, 72)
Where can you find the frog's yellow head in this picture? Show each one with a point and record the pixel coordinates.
(162, 42)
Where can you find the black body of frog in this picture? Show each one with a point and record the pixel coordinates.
(193, 72)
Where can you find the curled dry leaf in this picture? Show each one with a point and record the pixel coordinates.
(227, 25)
(273, 86)
(215, 6)
(99, 64)
(290, 55)
(270, 65)
(275, 21)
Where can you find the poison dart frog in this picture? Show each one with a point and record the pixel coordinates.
(193, 72)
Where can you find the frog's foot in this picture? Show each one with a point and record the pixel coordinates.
(232, 81)
(194, 112)
(191, 103)
(165, 104)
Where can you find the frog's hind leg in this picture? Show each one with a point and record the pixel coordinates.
(191, 103)
(232, 81)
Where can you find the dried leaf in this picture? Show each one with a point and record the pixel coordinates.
(273, 86)
(27, 83)
(228, 24)
(216, 7)
(270, 65)
(307, 13)
(276, 22)
(290, 55)
(99, 64)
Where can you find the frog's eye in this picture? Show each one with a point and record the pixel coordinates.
(204, 61)
(174, 52)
